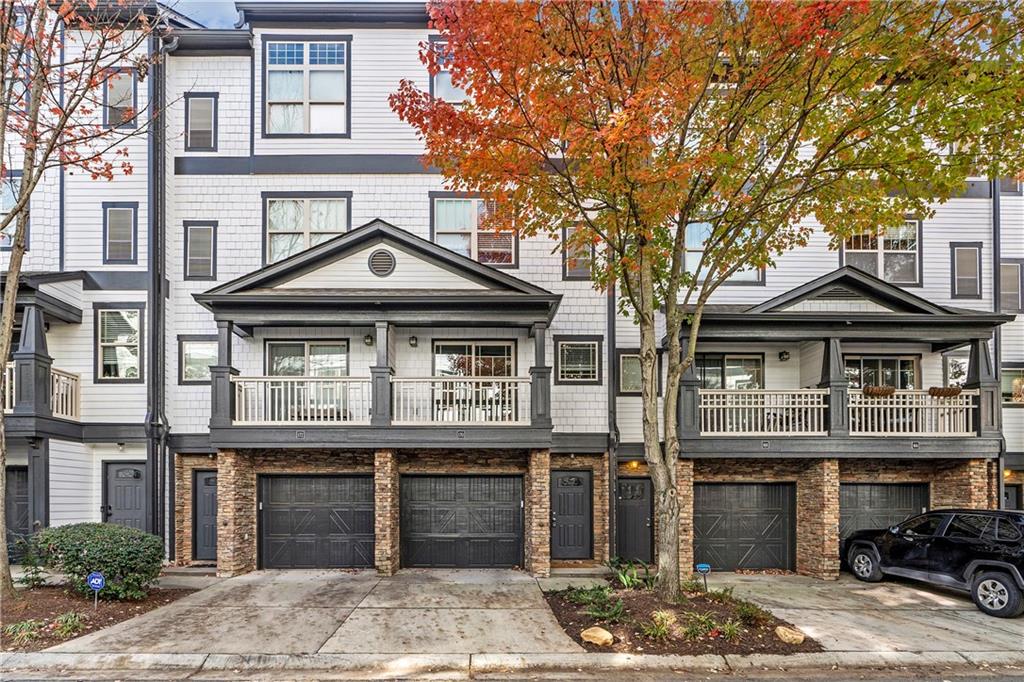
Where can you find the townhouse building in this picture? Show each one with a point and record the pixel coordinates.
(283, 343)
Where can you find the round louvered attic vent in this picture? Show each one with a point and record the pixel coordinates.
(382, 263)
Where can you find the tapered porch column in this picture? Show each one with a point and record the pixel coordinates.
(381, 376)
(540, 384)
(222, 407)
(688, 405)
(32, 364)
(833, 377)
(982, 376)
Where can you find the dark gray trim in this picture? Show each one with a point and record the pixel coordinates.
(514, 265)
(953, 246)
(189, 96)
(94, 432)
(306, 39)
(566, 277)
(133, 122)
(182, 340)
(861, 282)
(97, 361)
(264, 196)
(115, 280)
(1019, 262)
(369, 438)
(619, 352)
(920, 256)
(28, 223)
(579, 338)
(134, 206)
(579, 443)
(208, 42)
(38, 484)
(304, 164)
(187, 225)
(852, 446)
(316, 13)
(191, 444)
(1014, 460)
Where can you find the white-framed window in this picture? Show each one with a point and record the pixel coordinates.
(196, 356)
(294, 224)
(882, 370)
(120, 99)
(892, 255)
(630, 374)
(474, 358)
(1011, 277)
(578, 360)
(576, 258)
(328, 358)
(697, 235)
(120, 232)
(1012, 385)
(306, 87)
(441, 85)
(200, 122)
(10, 187)
(119, 345)
(200, 250)
(965, 261)
(732, 372)
(457, 227)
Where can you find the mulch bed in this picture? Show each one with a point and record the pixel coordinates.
(756, 638)
(45, 604)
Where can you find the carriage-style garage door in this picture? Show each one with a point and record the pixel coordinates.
(744, 525)
(879, 505)
(462, 521)
(316, 521)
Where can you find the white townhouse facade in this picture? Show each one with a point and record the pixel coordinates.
(283, 343)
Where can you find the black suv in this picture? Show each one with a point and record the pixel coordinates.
(971, 550)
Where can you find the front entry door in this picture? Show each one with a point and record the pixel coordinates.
(634, 527)
(204, 515)
(571, 515)
(1012, 496)
(16, 508)
(125, 494)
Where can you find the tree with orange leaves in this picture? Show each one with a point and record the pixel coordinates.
(60, 106)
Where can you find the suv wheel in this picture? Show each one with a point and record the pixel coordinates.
(864, 565)
(997, 595)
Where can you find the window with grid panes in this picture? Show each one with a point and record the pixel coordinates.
(295, 224)
(578, 361)
(457, 226)
(120, 344)
(891, 255)
(306, 88)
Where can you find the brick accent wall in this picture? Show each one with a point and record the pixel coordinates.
(598, 466)
(386, 508)
(952, 482)
(684, 492)
(1013, 477)
(538, 513)
(184, 466)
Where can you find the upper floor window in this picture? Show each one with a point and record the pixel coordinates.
(630, 374)
(896, 371)
(307, 358)
(697, 235)
(119, 345)
(10, 187)
(200, 250)
(732, 372)
(307, 87)
(201, 122)
(296, 223)
(196, 355)
(893, 255)
(120, 99)
(457, 226)
(965, 263)
(1012, 385)
(576, 258)
(120, 233)
(1011, 287)
(475, 358)
(578, 360)
(441, 85)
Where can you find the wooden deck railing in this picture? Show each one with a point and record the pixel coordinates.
(268, 401)
(9, 388)
(763, 412)
(65, 392)
(501, 401)
(912, 413)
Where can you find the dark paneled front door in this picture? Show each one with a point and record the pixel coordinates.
(125, 494)
(204, 516)
(572, 521)
(634, 520)
(1012, 498)
(16, 510)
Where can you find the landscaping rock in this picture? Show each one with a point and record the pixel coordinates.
(598, 636)
(789, 635)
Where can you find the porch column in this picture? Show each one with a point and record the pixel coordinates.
(222, 406)
(32, 364)
(688, 405)
(380, 373)
(833, 377)
(540, 384)
(817, 519)
(385, 483)
(538, 513)
(982, 376)
(38, 483)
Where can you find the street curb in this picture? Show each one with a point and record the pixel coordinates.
(845, 659)
(72, 661)
(385, 665)
(496, 663)
(1014, 658)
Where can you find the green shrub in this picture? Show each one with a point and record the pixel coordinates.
(660, 626)
(698, 624)
(588, 596)
(23, 632)
(34, 576)
(627, 574)
(731, 630)
(129, 559)
(609, 611)
(751, 614)
(720, 596)
(69, 624)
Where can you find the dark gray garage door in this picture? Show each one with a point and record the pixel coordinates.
(879, 505)
(744, 525)
(316, 521)
(462, 521)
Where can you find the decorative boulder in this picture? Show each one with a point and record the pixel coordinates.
(598, 636)
(789, 635)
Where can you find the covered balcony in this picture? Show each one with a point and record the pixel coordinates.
(875, 369)
(407, 343)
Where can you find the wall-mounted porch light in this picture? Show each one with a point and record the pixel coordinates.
(413, 341)
(783, 355)
(368, 339)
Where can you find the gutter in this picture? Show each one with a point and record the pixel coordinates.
(997, 336)
(613, 428)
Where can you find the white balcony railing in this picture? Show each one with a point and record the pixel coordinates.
(461, 400)
(270, 401)
(913, 413)
(65, 393)
(763, 413)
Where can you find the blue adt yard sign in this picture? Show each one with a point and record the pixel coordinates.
(96, 582)
(704, 569)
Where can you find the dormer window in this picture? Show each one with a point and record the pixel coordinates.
(306, 88)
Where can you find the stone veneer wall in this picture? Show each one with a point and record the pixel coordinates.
(184, 466)
(598, 466)
(386, 512)
(952, 482)
(538, 513)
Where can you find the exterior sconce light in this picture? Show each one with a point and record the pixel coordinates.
(368, 339)
(413, 341)
(783, 355)
(633, 465)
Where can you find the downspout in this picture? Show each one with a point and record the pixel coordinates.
(613, 429)
(60, 174)
(997, 339)
(167, 455)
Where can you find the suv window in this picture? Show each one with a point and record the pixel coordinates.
(922, 525)
(968, 526)
(1006, 530)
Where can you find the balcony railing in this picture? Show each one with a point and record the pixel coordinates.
(268, 401)
(763, 413)
(461, 400)
(913, 413)
(65, 393)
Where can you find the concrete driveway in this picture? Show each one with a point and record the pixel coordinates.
(353, 612)
(853, 616)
